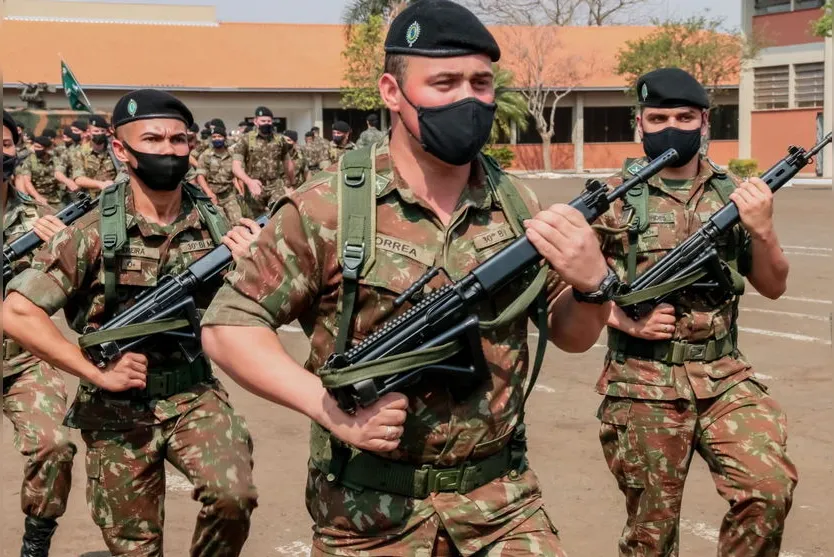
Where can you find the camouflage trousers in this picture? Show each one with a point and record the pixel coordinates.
(271, 192)
(35, 401)
(742, 436)
(209, 444)
(230, 206)
(504, 518)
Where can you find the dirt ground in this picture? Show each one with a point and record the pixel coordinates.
(789, 341)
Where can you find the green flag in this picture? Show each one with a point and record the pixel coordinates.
(76, 97)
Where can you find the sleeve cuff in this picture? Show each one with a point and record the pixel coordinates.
(231, 308)
(40, 289)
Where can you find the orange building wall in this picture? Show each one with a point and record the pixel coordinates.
(529, 156)
(776, 130)
(787, 28)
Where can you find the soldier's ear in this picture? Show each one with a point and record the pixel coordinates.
(120, 151)
(389, 90)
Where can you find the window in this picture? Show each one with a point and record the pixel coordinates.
(609, 124)
(562, 124)
(809, 85)
(763, 7)
(770, 87)
(807, 4)
(723, 122)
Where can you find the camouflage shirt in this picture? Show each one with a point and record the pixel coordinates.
(292, 273)
(216, 166)
(674, 215)
(200, 148)
(369, 137)
(68, 273)
(96, 165)
(42, 174)
(318, 153)
(19, 218)
(301, 167)
(262, 158)
(336, 151)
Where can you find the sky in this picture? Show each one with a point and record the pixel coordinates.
(330, 11)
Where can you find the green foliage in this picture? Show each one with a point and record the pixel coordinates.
(504, 155)
(744, 167)
(697, 44)
(365, 60)
(824, 26)
(511, 107)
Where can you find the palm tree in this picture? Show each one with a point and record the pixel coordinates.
(511, 106)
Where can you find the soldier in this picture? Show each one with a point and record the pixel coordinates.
(34, 394)
(318, 151)
(38, 176)
(157, 405)
(675, 381)
(369, 490)
(93, 168)
(214, 175)
(340, 143)
(260, 158)
(298, 157)
(372, 134)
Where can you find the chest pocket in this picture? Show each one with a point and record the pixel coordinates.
(138, 265)
(492, 241)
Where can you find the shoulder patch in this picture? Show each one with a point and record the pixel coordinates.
(636, 167)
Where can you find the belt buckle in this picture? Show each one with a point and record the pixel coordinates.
(444, 480)
(697, 351)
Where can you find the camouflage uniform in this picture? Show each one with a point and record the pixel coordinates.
(655, 414)
(200, 148)
(42, 174)
(301, 167)
(96, 165)
(130, 435)
(369, 137)
(293, 273)
(317, 154)
(216, 167)
(335, 151)
(35, 401)
(263, 159)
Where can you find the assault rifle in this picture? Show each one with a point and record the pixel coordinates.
(697, 257)
(444, 323)
(158, 310)
(30, 241)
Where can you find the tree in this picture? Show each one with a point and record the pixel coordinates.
(365, 60)
(554, 12)
(511, 108)
(696, 44)
(824, 26)
(546, 74)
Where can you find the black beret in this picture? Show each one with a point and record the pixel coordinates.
(671, 88)
(9, 122)
(292, 134)
(373, 119)
(67, 130)
(217, 122)
(50, 133)
(308, 134)
(98, 121)
(219, 130)
(146, 104)
(242, 123)
(80, 124)
(193, 128)
(439, 29)
(340, 126)
(263, 111)
(43, 141)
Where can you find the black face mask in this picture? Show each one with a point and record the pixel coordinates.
(99, 138)
(42, 154)
(9, 164)
(265, 130)
(686, 142)
(456, 132)
(159, 172)
(338, 139)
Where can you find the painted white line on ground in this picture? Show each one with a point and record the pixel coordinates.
(758, 375)
(710, 534)
(789, 314)
(789, 336)
(795, 299)
(177, 482)
(297, 549)
(290, 329)
(544, 388)
(807, 254)
(808, 248)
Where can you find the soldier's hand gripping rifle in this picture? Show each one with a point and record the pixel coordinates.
(30, 241)
(696, 258)
(166, 309)
(442, 332)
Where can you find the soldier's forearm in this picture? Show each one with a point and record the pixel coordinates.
(89, 183)
(575, 326)
(32, 328)
(240, 174)
(769, 272)
(61, 177)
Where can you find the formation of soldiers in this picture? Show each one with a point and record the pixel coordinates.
(419, 472)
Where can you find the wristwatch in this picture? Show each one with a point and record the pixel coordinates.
(602, 293)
